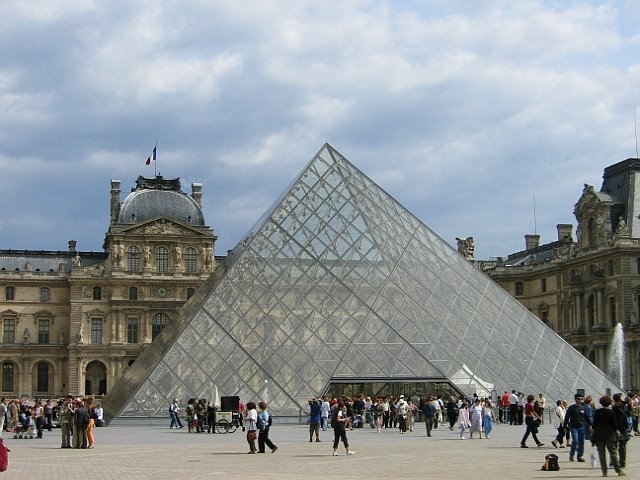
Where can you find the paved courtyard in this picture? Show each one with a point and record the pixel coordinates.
(153, 452)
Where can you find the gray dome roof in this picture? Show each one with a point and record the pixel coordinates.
(143, 205)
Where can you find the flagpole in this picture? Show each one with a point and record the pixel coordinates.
(155, 160)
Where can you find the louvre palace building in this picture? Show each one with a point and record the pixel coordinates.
(338, 288)
(584, 287)
(73, 321)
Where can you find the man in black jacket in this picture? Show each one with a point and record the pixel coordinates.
(621, 413)
(577, 419)
(80, 425)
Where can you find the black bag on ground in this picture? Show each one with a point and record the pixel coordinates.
(550, 463)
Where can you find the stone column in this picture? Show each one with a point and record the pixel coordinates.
(25, 387)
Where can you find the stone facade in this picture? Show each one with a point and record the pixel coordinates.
(584, 288)
(73, 322)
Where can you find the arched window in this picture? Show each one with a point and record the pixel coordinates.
(190, 260)
(42, 377)
(162, 259)
(133, 293)
(133, 259)
(9, 293)
(44, 294)
(158, 322)
(8, 372)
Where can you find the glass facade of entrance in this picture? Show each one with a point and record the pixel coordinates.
(338, 281)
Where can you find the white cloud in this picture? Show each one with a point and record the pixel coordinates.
(461, 110)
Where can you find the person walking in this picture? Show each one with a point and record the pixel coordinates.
(251, 426)
(576, 419)
(621, 412)
(401, 412)
(604, 434)
(558, 424)
(488, 418)
(476, 418)
(531, 420)
(463, 419)
(428, 411)
(264, 423)
(174, 413)
(339, 419)
(452, 412)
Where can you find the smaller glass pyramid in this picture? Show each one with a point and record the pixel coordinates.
(338, 281)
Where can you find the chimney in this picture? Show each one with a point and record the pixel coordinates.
(72, 246)
(115, 200)
(196, 189)
(531, 241)
(565, 232)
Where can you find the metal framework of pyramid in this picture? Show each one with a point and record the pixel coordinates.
(339, 281)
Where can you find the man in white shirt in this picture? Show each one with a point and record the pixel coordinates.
(513, 408)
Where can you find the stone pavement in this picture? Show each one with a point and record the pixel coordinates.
(153, 452)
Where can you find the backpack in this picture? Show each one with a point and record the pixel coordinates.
(550, 463)
(4, 456)
(260, 422)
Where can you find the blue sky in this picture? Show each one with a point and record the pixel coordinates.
(463, 111)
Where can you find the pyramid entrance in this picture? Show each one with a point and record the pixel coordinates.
(337, 280)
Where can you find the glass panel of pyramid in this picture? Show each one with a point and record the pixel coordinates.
(338, 281)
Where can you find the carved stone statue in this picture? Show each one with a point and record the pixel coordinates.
(622, 229)
(60, 337)
(207, 253)
(146, 257)
(76, 261)
(28, 267)
(177, 251)
(26, 336)
(80, 335)
(466, 247)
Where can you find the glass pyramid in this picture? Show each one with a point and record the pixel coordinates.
(338, 281)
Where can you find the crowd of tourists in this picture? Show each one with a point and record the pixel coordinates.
(608, 425)
(76, 418)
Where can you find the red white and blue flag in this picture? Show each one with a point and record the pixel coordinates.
(151, 158)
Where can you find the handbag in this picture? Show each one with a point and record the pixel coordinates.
(252, 435)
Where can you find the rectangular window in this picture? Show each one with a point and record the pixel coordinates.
(7, 377)
(97, 293)
(132, 330)
(9, 293)
(9, 330)
(519, 289)
(44, 294)
(543, 284)
(613, 314)
(96, 331)
(43, 331)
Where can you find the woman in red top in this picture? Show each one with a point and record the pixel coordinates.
(531, 420)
